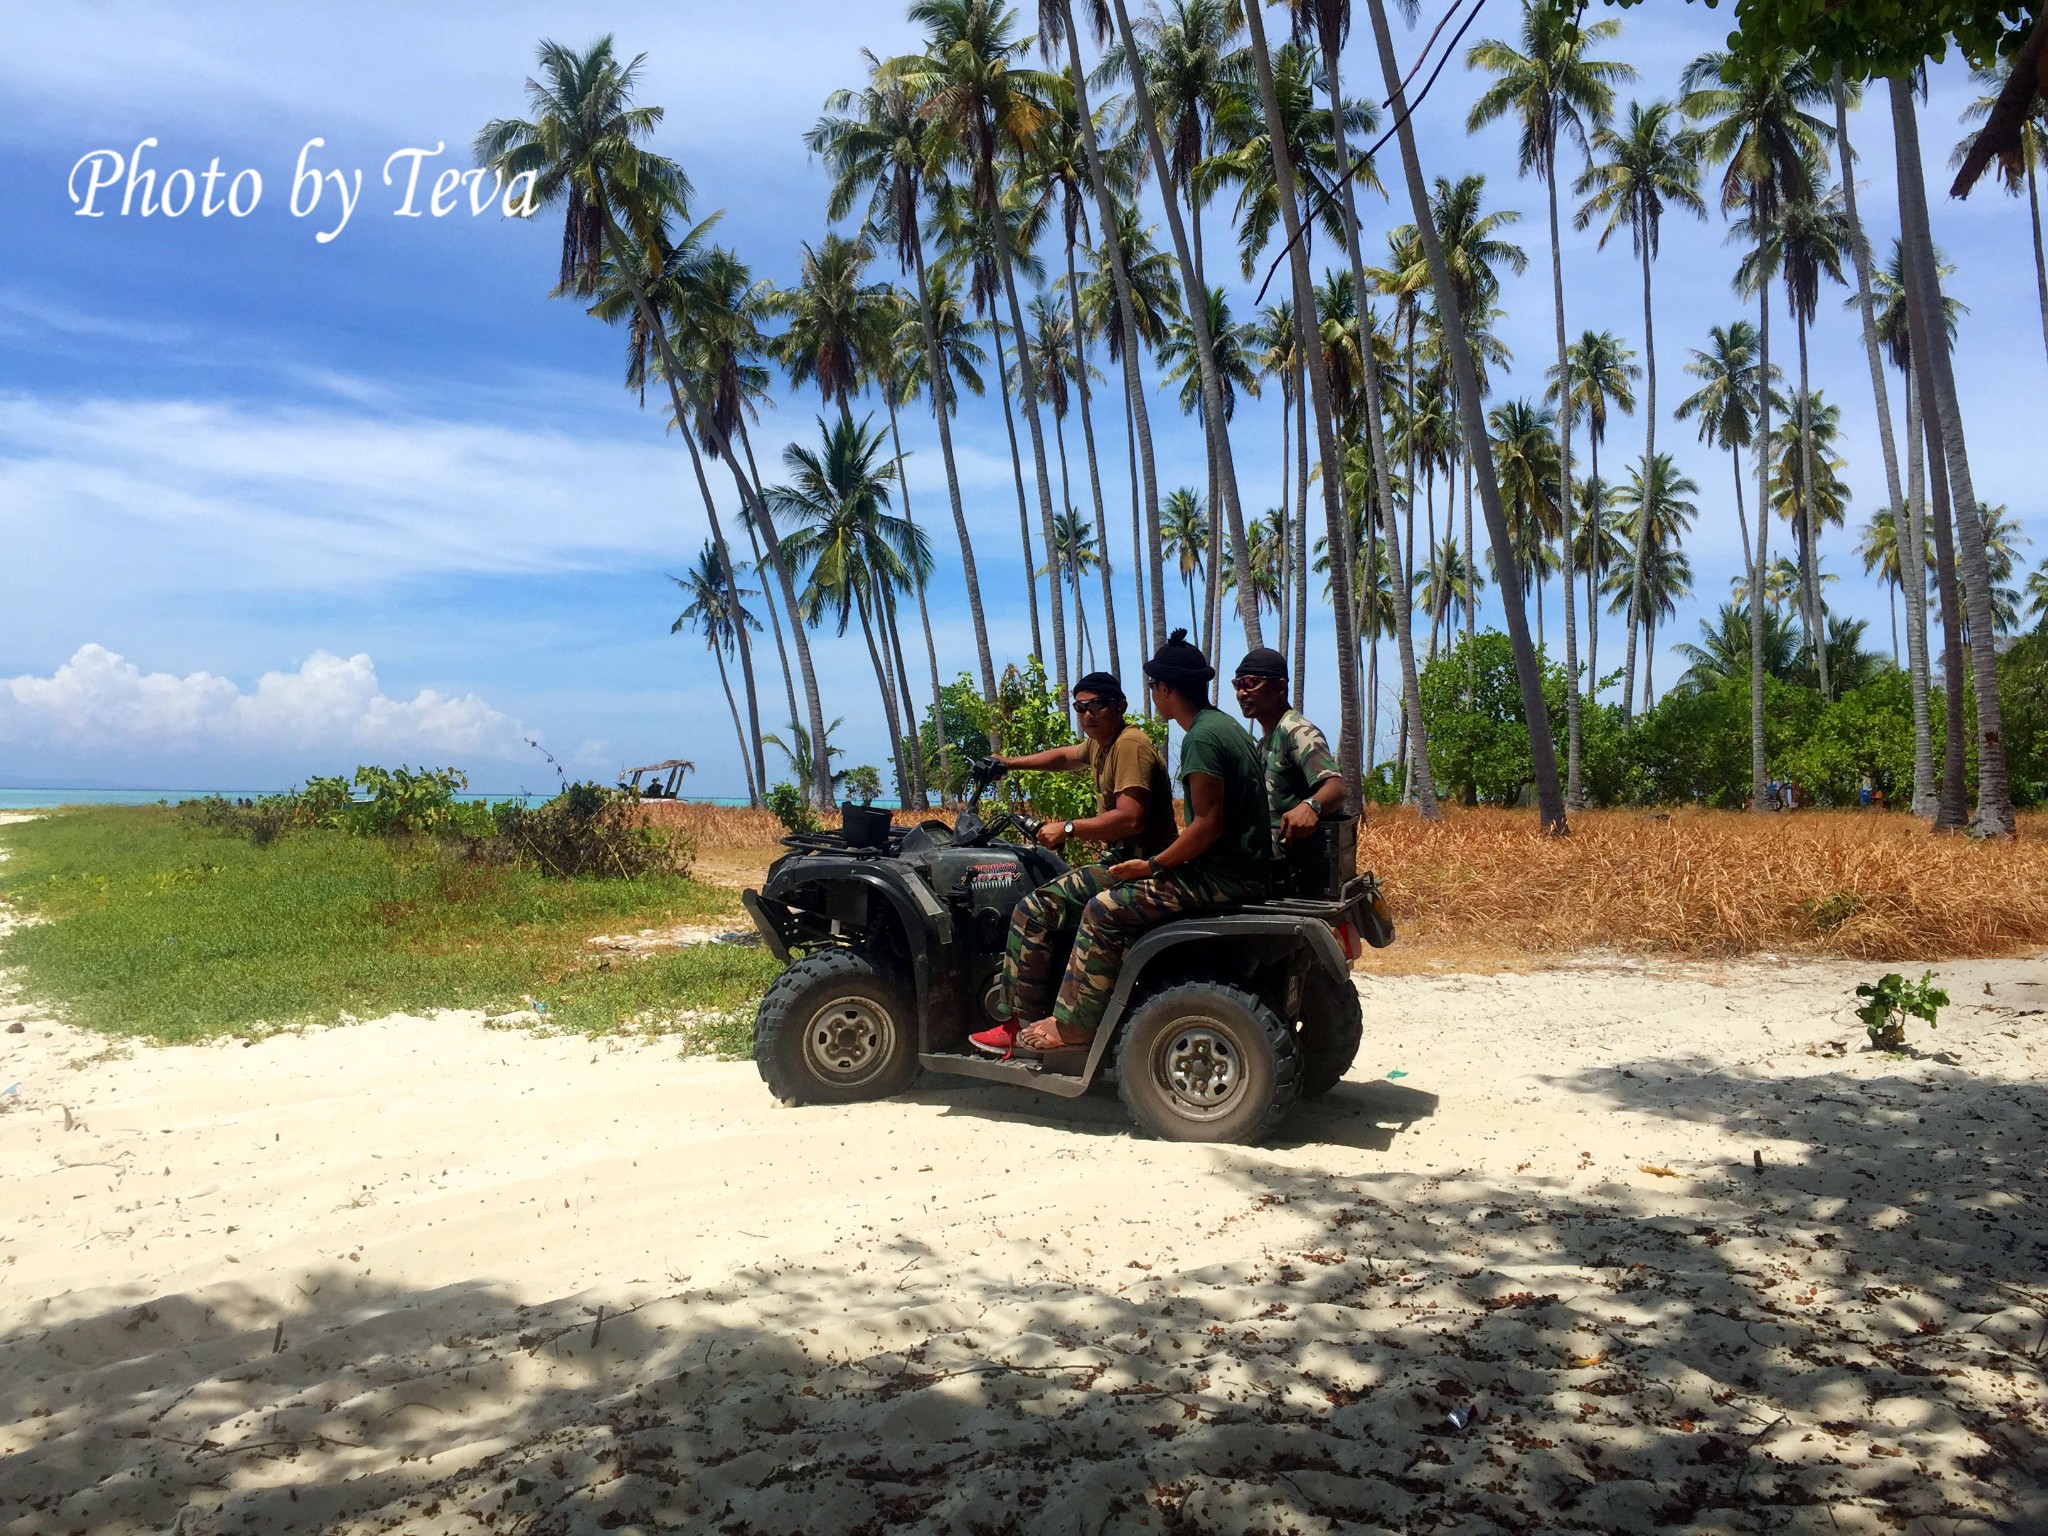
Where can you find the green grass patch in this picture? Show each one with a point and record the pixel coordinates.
(149, 924)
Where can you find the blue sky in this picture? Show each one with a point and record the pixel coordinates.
(271, 506)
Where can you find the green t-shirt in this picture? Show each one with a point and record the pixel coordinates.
(1217, 745)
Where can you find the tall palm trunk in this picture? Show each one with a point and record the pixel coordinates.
(1212, 580)
(1017, 473)
(1994, 790)
(917, 794)
(764, 570)
(1451, 314)
(1198, 318)
(1925, 804)
(1343, 571)
(1912, 573)
(924, 620)
(1758, 767)
(1286, 530)
(755, 765)
(1951, 812)
(1642, 533)
(681, 389)
(2040, 260)
(1134, 388)
(1573, 725)
(1056, 562)
(886, 684)
(1301, 527)
(1592, 572)
(1809, 525)
(738, 730)
(942, 389)
(1103, 563)
(1139, 558)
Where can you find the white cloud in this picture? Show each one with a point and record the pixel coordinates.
(100, 699)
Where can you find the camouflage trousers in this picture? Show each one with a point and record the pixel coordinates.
(1110, 919)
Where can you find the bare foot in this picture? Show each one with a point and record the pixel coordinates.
(1050, 1035)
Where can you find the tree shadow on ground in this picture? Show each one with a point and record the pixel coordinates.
(1852, 1341)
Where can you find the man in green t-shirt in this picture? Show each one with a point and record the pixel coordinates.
(1221, 858)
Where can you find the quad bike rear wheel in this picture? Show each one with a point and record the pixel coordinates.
(1202, 1061)
(835, 1028)
(1332, 1025)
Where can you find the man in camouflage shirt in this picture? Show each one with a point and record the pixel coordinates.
(1303, 784)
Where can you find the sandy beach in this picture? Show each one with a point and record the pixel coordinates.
(1687, 1253)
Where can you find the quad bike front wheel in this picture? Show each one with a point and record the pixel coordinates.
(1202, 1061)
(835, 1029)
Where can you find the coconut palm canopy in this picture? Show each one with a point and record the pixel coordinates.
(1019, 425)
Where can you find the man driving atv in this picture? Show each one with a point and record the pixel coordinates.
(1303, 783)
(1221, 858)
(1133, 815)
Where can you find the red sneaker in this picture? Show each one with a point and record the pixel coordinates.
(999, 1041)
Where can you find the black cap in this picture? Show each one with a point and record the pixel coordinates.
(1102, 684)
(1263, 661)
(1180, 666)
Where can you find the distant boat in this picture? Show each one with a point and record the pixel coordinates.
(664, 780)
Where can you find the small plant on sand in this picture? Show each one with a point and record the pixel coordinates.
(1891, 1000)
(791, 808)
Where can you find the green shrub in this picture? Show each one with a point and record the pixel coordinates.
(1891, 1000)
(792, 807)
(588, 829)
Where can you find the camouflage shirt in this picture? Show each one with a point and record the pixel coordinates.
(1297, 760)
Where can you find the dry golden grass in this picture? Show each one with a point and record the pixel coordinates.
(1484, 890)
(1487, 887)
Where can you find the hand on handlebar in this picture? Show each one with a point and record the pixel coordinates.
(1052, 834)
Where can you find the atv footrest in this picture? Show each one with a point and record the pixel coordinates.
(1057, 1073)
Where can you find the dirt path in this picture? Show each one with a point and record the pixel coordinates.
(428, 1276)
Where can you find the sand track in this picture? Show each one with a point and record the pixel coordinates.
(352, 1280)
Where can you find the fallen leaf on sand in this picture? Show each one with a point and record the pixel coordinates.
(1662, 1173)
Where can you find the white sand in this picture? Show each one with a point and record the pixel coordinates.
(351, 1279)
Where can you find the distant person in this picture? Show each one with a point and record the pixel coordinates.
(1222, 858)
(1303, 783)
(1133, 815)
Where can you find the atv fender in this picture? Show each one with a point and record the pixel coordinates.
(925, 922)
(1318, 938)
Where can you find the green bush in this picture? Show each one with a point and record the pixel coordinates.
(792, 807)
(587, 829)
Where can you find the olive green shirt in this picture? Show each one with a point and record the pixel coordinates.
(1218, 746)
(1132, 762)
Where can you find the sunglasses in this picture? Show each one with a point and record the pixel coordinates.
(1093, 706)
(1248, 683)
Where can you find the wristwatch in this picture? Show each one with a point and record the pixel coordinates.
(1070, 829)
(1314, 806)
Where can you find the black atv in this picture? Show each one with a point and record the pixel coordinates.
(894, 938)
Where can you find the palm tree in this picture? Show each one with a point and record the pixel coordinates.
(1644, 168)
(1137, 63)
(1074, 551)
(1726, 403)
(1525, 455)
(1058, 168)
(2031, 158)
(1727, 648)
(1918, 682)
(583, 149)
(857, 550)
(1060, 363)
(2037, 598)
(1932, 363)
(837, 320)
(1276, 350)
(1229, 353)
(716, 615)
(1595, 547)
(1129, 263)
(880, 142)
(1658, 499)
(1806, 242)
(1184, 530)
(1600, 370)
(971, 83)
(1554, 89)
(1807, 492)
(1122, 316)
(1884, 557)
(672, 275)
(2002, 542)
(1754, 118)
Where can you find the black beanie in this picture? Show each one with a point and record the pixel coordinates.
(1180, 666)
(1263, 661)
(1102, 684)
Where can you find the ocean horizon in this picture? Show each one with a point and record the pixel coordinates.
(48, 798)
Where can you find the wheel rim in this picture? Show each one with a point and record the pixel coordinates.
(849, 1040)
(1201, 1068)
